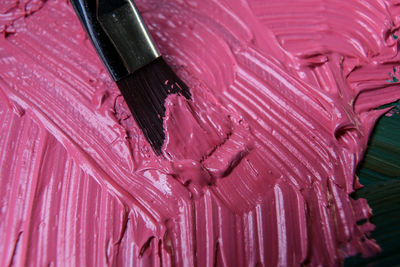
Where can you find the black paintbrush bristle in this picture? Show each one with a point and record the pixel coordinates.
(145, 92)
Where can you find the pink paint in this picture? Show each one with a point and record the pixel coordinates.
(257, 170)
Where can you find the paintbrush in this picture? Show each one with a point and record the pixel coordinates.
(125, 46)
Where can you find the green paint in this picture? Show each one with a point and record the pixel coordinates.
(395, 36)
(380, 174)
(384, 199)
(393, 80)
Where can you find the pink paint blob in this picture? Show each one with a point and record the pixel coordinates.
(256, 170)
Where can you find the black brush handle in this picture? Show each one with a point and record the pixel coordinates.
(118, 34)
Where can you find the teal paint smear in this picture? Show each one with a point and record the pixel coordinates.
(394, 80)
(380, 174)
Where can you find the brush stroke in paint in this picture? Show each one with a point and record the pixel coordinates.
(257, 169)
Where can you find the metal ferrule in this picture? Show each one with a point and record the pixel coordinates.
(118, 33)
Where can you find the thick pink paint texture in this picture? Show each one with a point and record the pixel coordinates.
(256, 170)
